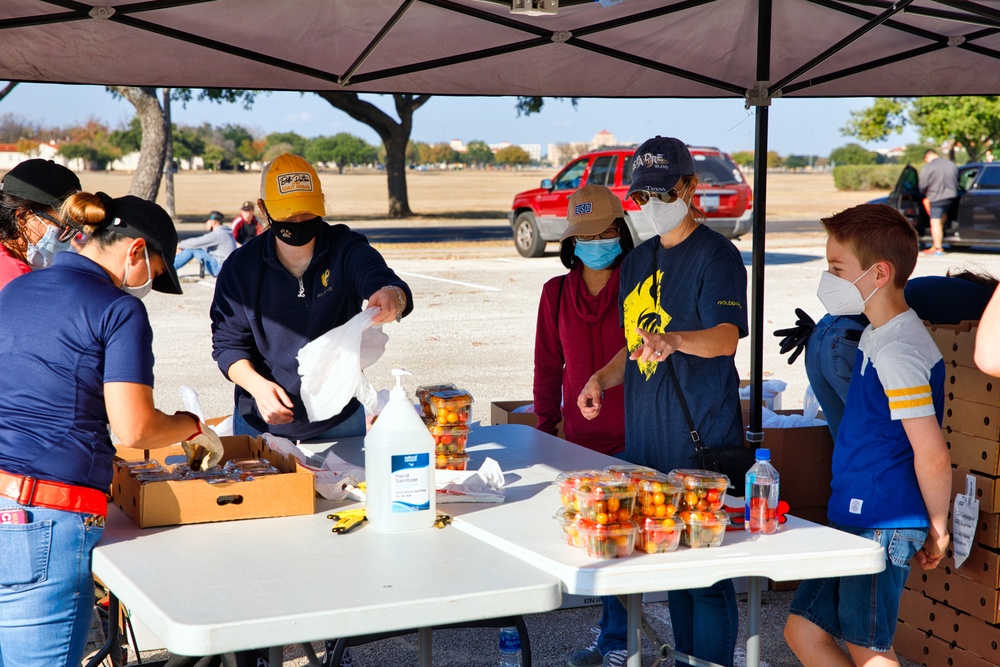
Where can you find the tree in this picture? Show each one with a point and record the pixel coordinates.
(774, 160)
(743, 158)
(341, 149)
(478, 154)
(5, 91)
(296, 143)
(128, 139)
(513, 156)
(853, 154)
(443, 153)
(187, 143)
(796, 162)
(970, 122)
(14, 128)
(153, 145)
(90, 143)
(252, 150)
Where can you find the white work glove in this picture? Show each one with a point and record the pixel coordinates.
(203, 447)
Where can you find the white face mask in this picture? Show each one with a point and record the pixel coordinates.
(665, 217)
(143, 289)
(841, 296)
(40, 253)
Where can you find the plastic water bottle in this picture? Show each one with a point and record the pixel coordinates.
(761, 496)
(509, 648)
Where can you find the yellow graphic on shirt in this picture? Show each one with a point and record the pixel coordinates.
(642, 309)
(325, 278)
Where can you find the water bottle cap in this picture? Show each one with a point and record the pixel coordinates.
(762, 454)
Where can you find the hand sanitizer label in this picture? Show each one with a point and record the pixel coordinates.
(410, 486)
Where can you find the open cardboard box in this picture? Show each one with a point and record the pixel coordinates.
(196, 501)
(957, 342)
(502, 412)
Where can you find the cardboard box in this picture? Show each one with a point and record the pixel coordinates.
(971, 384)
(951, 625)
(957, 342)
(987, 489)
(978, 454)
(502, 412)
(932, 651)
(976, 419)
(803, 458)
(945, 585)
(196, 501)
(982, 566)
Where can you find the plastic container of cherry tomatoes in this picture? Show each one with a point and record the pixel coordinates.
(658, 496)
(633, 472)
(704, 529)
(451, 407)
(453, 462)
(658, 536)
(607, 541)
(571, 533)
(423, 397)
(450, 440)
(599, 496)
(703, 490)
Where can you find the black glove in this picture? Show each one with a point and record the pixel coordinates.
(795, 337)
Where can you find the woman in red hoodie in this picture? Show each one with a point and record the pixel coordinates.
(578, 328)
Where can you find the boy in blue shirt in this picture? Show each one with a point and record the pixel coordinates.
(891, 468)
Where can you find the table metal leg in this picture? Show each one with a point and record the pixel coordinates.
(633, 605)
(112, 639)
(753, 621)
(424, 636)
(276, 656)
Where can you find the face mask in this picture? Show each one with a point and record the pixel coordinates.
(39, 254)
(841, 296)
(599, 254)
(665, 217)
(143, 289)
(297, 233)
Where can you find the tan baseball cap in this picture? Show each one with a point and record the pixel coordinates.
(290, 186)
(592, 209)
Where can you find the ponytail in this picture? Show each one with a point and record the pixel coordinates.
(92, 215)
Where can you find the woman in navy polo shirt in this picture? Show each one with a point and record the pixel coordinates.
(76, 353)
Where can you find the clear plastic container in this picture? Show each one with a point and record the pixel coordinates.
(423, 395)
(451, 407)
(452, 462)
(704, 490)
(599, 496)
(450, 440)
(571, 533)
(704, 529)
(658, 496)
(659, 535)
(607, 541)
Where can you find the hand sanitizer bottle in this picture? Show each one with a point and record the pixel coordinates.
(399, 466)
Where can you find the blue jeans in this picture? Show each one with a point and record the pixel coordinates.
(212, 265)
(830, 356)
(706, 621)
(46, 587)
(350, 427)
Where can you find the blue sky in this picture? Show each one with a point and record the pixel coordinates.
(808, 126)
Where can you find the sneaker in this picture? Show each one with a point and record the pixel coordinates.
(934, 252)
(615, 658)
(587, 657)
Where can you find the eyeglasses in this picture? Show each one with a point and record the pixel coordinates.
(66, 232)
(612, 232)
(642, 197)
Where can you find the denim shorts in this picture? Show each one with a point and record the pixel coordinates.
(862, 610)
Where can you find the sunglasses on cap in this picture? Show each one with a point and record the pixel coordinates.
(642, 197)
(66, 232)
(611, 232)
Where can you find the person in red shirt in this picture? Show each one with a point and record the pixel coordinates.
(246, 225)
(30, 231)
(578, 331)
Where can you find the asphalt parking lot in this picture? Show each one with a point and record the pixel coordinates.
(473, 324)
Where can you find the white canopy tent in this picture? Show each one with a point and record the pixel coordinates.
(752, 49)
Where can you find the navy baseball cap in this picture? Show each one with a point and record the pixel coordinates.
(40, 181)
(137, 218)
(659, 163)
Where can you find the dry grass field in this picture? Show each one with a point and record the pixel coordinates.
(454, 195)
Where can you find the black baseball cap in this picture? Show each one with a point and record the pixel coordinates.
(217, 216)
(40, 181)
(137, 218)
(659, 163)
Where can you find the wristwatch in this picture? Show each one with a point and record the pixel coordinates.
(401, 295)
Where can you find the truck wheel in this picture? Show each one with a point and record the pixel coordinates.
(527, 240)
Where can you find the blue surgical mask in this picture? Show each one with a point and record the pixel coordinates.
(39, 254)
(599, 254)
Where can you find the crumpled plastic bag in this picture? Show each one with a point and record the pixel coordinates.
(336, 479)
(773, 420)
(331, 366)
(769, 389)
(470, 486)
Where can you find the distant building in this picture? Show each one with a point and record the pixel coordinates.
(602, 139)
(533, 150)
(499, 146)
(891, 152)
(457, 145)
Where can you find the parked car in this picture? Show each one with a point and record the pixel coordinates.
(977, 218)
(539, 216)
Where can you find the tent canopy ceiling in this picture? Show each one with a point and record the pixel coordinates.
(637, 48)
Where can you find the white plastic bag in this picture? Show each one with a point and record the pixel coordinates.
(331, 366)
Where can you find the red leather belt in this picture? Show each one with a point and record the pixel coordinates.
(54, 495)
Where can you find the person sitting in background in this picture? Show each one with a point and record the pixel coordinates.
(578, 330)
(30, 233)
(832, 345)
(212, 248)
(246, 225)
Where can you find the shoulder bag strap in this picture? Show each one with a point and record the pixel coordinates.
(695, 438)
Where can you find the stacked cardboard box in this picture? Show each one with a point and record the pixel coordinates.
(949, 615)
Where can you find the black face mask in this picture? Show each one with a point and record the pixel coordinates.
(297, 233)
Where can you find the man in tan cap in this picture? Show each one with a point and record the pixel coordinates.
(246, 225)
(298, 280)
